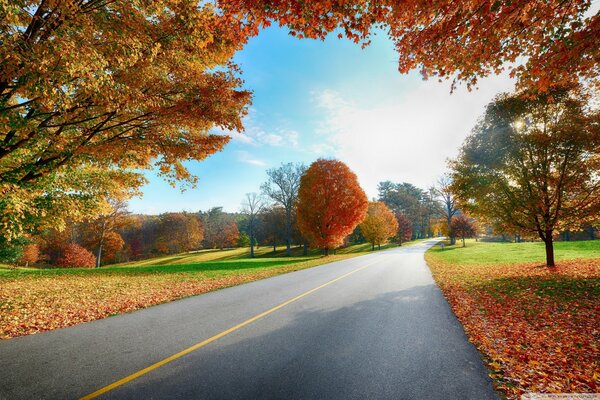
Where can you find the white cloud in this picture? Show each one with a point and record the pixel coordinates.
(407, 138)
(255, 134)
(246, 158)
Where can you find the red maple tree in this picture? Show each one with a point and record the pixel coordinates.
(330, 203)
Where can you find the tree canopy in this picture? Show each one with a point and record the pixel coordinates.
(331, 203)
(379, 225)
(532, 164)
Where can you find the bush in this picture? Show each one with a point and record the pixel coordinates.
(75, 256)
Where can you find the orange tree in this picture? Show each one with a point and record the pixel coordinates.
(379, 225)
(330, 203)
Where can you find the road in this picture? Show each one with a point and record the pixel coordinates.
(371, 327)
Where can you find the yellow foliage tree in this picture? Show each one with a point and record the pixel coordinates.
(379, 225)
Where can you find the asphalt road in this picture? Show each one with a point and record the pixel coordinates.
(381, 331)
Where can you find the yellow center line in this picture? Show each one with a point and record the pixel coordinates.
(182, 353)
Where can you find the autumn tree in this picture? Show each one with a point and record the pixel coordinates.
(31, 254)
(97, 230)
(532, 164)
(76, 256)
(92, 92)
(461, 40)
(331, 203)
(404, 228)
(252, 206)
(449, 206)
(178, 232)
(379, 225)
(220, 229)
(272, 227)
(282, 187)
(463, 227)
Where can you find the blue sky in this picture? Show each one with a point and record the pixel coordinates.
(330, 99)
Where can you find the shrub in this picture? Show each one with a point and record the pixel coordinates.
(75, 256)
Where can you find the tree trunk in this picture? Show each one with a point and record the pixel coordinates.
(372, 246)
(378, 247)
(326, 251)
(305, 249)
(251, 241)
(99, 256)
(549, 250)
(288, 231)
(463, 240)
(274, 248)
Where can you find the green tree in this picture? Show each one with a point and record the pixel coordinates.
(532, 163)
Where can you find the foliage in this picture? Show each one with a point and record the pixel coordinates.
(449, 203)
(531, 164)
(220, 229)
(243, 240)
(404, 232)
(379, 225)
(75, 256)
(416, 204)
(11, 251)
(92, 92)
(536, 327)
(282, 188)
(463, 227)
(462, 40)
(97, 232)
(330, 203)
(178, 232)
(31, 254)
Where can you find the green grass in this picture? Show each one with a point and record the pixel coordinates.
(210, 263)
(504, 253)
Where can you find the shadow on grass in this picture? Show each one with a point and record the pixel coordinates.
(208, 266)
(560, 288)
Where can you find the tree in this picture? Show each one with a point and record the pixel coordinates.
(411, 201)
(404, 228)
(75, 256)
(92, 92)
(252, 206)
(379, 225)
(97, 230)
(178, 232)
(449, 204)
(463, 40)
(463, 227)
(330, 203)
(31, 254)
(11, 251)
(531, 164)
(271, 228)
(282, 188)
(220, 229)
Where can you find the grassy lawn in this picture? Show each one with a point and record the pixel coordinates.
(35, 300)
(536, 327)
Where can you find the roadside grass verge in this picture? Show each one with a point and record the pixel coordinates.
(36, 300)
(536, 327)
